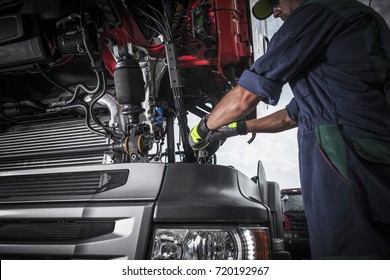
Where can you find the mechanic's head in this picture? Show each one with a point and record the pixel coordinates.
(279, 8)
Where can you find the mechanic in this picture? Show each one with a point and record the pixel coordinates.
(335, 55)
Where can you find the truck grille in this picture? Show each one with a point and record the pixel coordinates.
(60, 184)
(298, 222)
(49, 231)
(44, 136)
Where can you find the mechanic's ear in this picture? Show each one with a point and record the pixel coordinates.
(262, 9)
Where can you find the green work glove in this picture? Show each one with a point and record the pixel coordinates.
(199, 134)
(229, 130)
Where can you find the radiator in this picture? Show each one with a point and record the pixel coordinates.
(44, 135)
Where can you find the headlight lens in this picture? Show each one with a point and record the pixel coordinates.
(201, 243)
(211, 245)
(168, 245)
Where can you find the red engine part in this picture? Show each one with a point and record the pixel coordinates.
(129, 32)
(233, 33)
(228, 25)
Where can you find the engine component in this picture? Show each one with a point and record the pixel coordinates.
(20, 107)
(129, 88)
(21, 43)
(201, 24)
(129, 83)
(75, 33)
(71, 42)
(176, 85)
(37, 137)
(10, 28)
(135, 147)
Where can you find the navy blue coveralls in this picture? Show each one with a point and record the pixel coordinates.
(335, 54)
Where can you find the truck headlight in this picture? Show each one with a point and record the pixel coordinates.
(203, 243)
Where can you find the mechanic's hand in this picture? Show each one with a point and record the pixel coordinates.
(198, 137)
(229, 130)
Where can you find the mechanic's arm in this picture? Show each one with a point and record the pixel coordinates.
(234, 105)
(222, 121)
(275, 122)
(239, 102)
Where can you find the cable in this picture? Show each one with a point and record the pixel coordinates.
(56, 84)
(135, 41)
(95, 100)
(84, 106)
(98, 91)
(7, 6)
(154, 72)
(96, 67)
(163, 31)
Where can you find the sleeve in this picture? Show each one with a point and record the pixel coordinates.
(293, 110)
(294, 47)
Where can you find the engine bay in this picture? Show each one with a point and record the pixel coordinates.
(106, 81)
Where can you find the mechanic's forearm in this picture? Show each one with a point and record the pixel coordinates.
(234, 105)
(276, 122)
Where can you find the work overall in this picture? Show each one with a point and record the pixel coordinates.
(335, 55)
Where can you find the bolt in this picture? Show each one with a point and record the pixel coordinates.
(133, 157)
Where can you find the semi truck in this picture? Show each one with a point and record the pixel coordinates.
(295, 227)
(95, 161)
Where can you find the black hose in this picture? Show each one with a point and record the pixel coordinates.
(63, 21)
(83, 87)
(183, 125)
(95, 100)
(25, 103)
(83, 106)
(56, 83)
(99, 90)
(96, 67)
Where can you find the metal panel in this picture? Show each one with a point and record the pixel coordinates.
(143, 183)
(128, 240)
(208, 193)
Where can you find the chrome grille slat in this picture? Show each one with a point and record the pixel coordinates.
(58, 184)
(40, 133)
(51, 147)
(51, 163)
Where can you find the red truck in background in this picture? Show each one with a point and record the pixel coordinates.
(295, 228)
